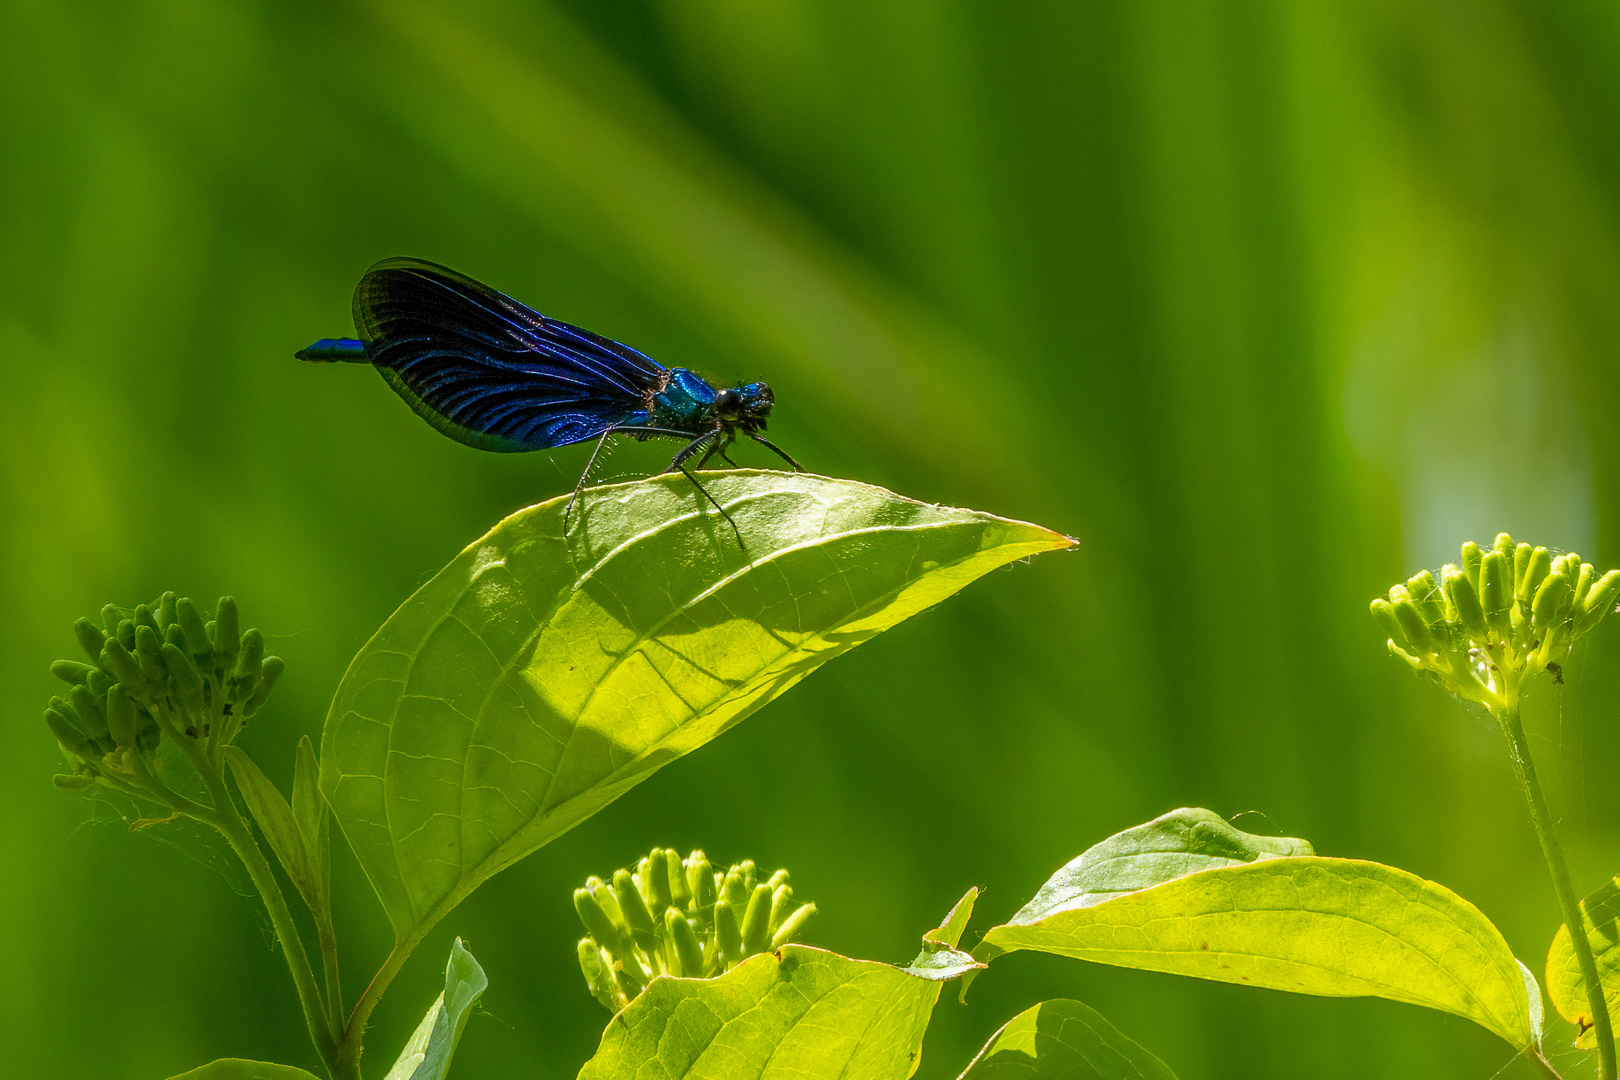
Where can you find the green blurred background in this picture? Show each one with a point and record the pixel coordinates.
(1269, 303)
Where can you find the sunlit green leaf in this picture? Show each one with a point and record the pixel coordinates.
(243, 1069)
(537, 678)
(275, 819)
(428, 1051)
(1063, 1040)
(1333, 927)
(795, 1012)
(1566, 986)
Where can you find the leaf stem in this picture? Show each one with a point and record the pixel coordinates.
(1546, 832)
(348, 1051)
(1543, 1064)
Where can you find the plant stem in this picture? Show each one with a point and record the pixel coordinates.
(235, 831)
(349, 1048)
(1568, 902)
(1544, 1065)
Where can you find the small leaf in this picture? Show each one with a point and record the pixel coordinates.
(428, 1052)
(243, 1069)
(1565, 984)
(940, 960)
(1063, 1040)
(539, 677)
(275, 819)
(310, 814)
(1331, 927)
(802, 1011)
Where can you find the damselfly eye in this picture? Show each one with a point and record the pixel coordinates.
(727, 403)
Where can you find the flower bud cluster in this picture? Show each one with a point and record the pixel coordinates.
(1506, 613)
(682, 917)
(157, 669)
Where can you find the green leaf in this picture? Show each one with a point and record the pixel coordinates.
(536, 678)
(310, 814)
(800, 1011)
(1063, 1040)
(1565, 984)
(275, 820)
(1332, 927)
(428, 1051)
(243, 1069)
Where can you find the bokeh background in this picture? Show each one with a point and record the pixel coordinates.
(1268, 303)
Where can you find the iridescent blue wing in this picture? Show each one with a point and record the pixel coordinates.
(490, 372)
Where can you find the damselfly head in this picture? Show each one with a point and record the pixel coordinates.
(748, 405)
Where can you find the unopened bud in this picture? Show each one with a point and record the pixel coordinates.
(756, 923)
(1597, 601)
(111, 616)
(116, 659)
(188, 685)
(704, 891)
(1472, 556)
(191, 623)
(90, 638)
(1416, 630)
(271, 671)
(735, 890)
(634, 908)
(149, 653)
(1465, 601)
(1426, 595)
(680, 890)
(1537, 566)
(1552, 601)
(249, 666)
(144, 617)
(227, 637)
(1384, 612)
(656, 875)
(1504, 546)
(166, 615)
(792, 925)
(688, 953)
(71, 671)
(71, 738)
(728, 933)
(91, 717)
(596, 921)
(1495, 591)
(121, 717)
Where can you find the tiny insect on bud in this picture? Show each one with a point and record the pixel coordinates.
(227, 636)
(792, 925)
(90, 638)
(756, 923)
(688, 953)
(1495, 593)
(121, 717)
(728, 933)
(71, 671)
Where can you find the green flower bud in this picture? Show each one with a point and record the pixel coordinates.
(756, 923)
(149, 653)
(1384, 612)
(166, 614)
(728, 933)
(116, 659)
(188, 685)
(704, 890)
(1552, 602)
(792, 925)
(72, 782)
(750, 874)
(781, 900)
(126, 635)
(1412, 662)
(735, 890)
(601, 927)
(144, 617)
(688, 953)
(93, 720)
(191, 623)
(271, 671)
(90, 638)
(121, 723)
(227, 636)
(249, 666)
(71, 671)
(98, 682)
(603, 892)
(1416, 630)
(175, 636)
(655, 875)
(597, 975)
(680, 890)
(1568, 564)
(1597, 601)
(1471, 558)
(1495, 592)
(1465, 601)
(1426, 594)
(111, 616)
(72, 740)
(1537, 566)
(1521, 563)
(635, 910)
(1503, 546)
